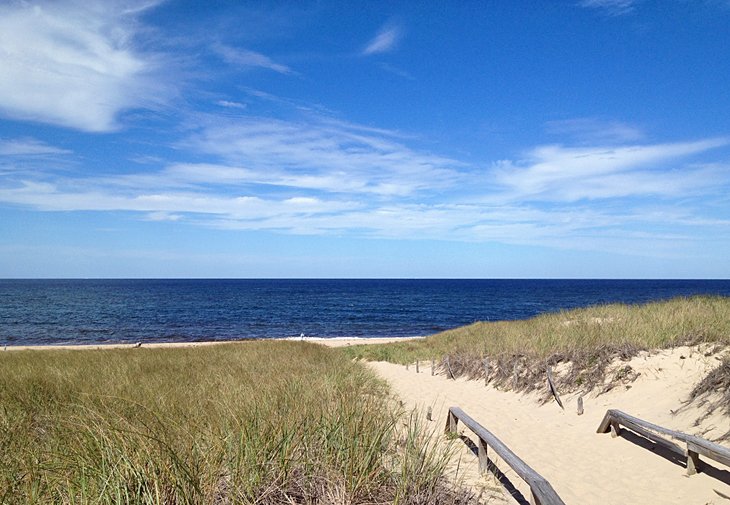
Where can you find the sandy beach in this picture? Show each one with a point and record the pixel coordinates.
(327, 341)
(583, 466)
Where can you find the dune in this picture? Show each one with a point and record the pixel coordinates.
(583, 466)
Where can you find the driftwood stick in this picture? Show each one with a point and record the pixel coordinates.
(448, 366)
(552, 388)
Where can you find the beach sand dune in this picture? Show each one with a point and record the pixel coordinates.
(584, 467)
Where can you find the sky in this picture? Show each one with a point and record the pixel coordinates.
(490, 139)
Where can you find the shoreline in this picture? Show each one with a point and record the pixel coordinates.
(326, 341)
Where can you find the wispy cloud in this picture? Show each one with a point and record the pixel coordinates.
(231, 105)
(594, 131)
(28, 147)
(558, 173)
(396, 71)
(74, 63)
(610, 7)
(324, 155)
(247, 58)
(385, 40)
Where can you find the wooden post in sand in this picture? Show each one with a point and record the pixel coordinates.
(433, 365)
(417, 367)
(514, 377)
(486, 371)
(407, 365)
(429, 414)
(580, 405)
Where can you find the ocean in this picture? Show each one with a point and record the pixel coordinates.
(40, 312)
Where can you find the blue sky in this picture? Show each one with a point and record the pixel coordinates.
(575, 138)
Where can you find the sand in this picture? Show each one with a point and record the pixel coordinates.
(583, 467)
(345, 341)
(327, 341)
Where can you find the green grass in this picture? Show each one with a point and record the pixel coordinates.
(587, 338)
(258, 422)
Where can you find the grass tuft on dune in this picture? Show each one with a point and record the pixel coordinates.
(586, 340)
(258, 422)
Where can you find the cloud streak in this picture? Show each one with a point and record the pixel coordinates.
(249, 59)
(610, 7)
(594, 131)
(28, 147)
(384, 41)
(323, 155)
(567, 174)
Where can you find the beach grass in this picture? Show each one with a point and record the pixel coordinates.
(587, 339)
(256, 422)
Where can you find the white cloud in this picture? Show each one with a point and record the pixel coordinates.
(385, 40)
(557, 173)
(72, 63)
(231, 105)
(159, 202)
(28, 147)
(247, 58)
(321, 155)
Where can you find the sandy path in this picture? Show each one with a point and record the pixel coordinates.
(584, 467)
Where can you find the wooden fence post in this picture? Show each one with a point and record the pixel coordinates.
(482, 454)
(451, 422)
(693, 462)
(486, 371)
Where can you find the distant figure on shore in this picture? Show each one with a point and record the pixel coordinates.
(301, 336)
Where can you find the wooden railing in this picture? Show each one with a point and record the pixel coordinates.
(541, 492)
(694, 446)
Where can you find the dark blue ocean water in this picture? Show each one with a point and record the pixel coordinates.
(100, 311)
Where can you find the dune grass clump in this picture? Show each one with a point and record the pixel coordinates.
(714, 391)
(587, 339)
(258, 422)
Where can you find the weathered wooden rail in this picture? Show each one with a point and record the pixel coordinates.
(694, 446)
(541, 492)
